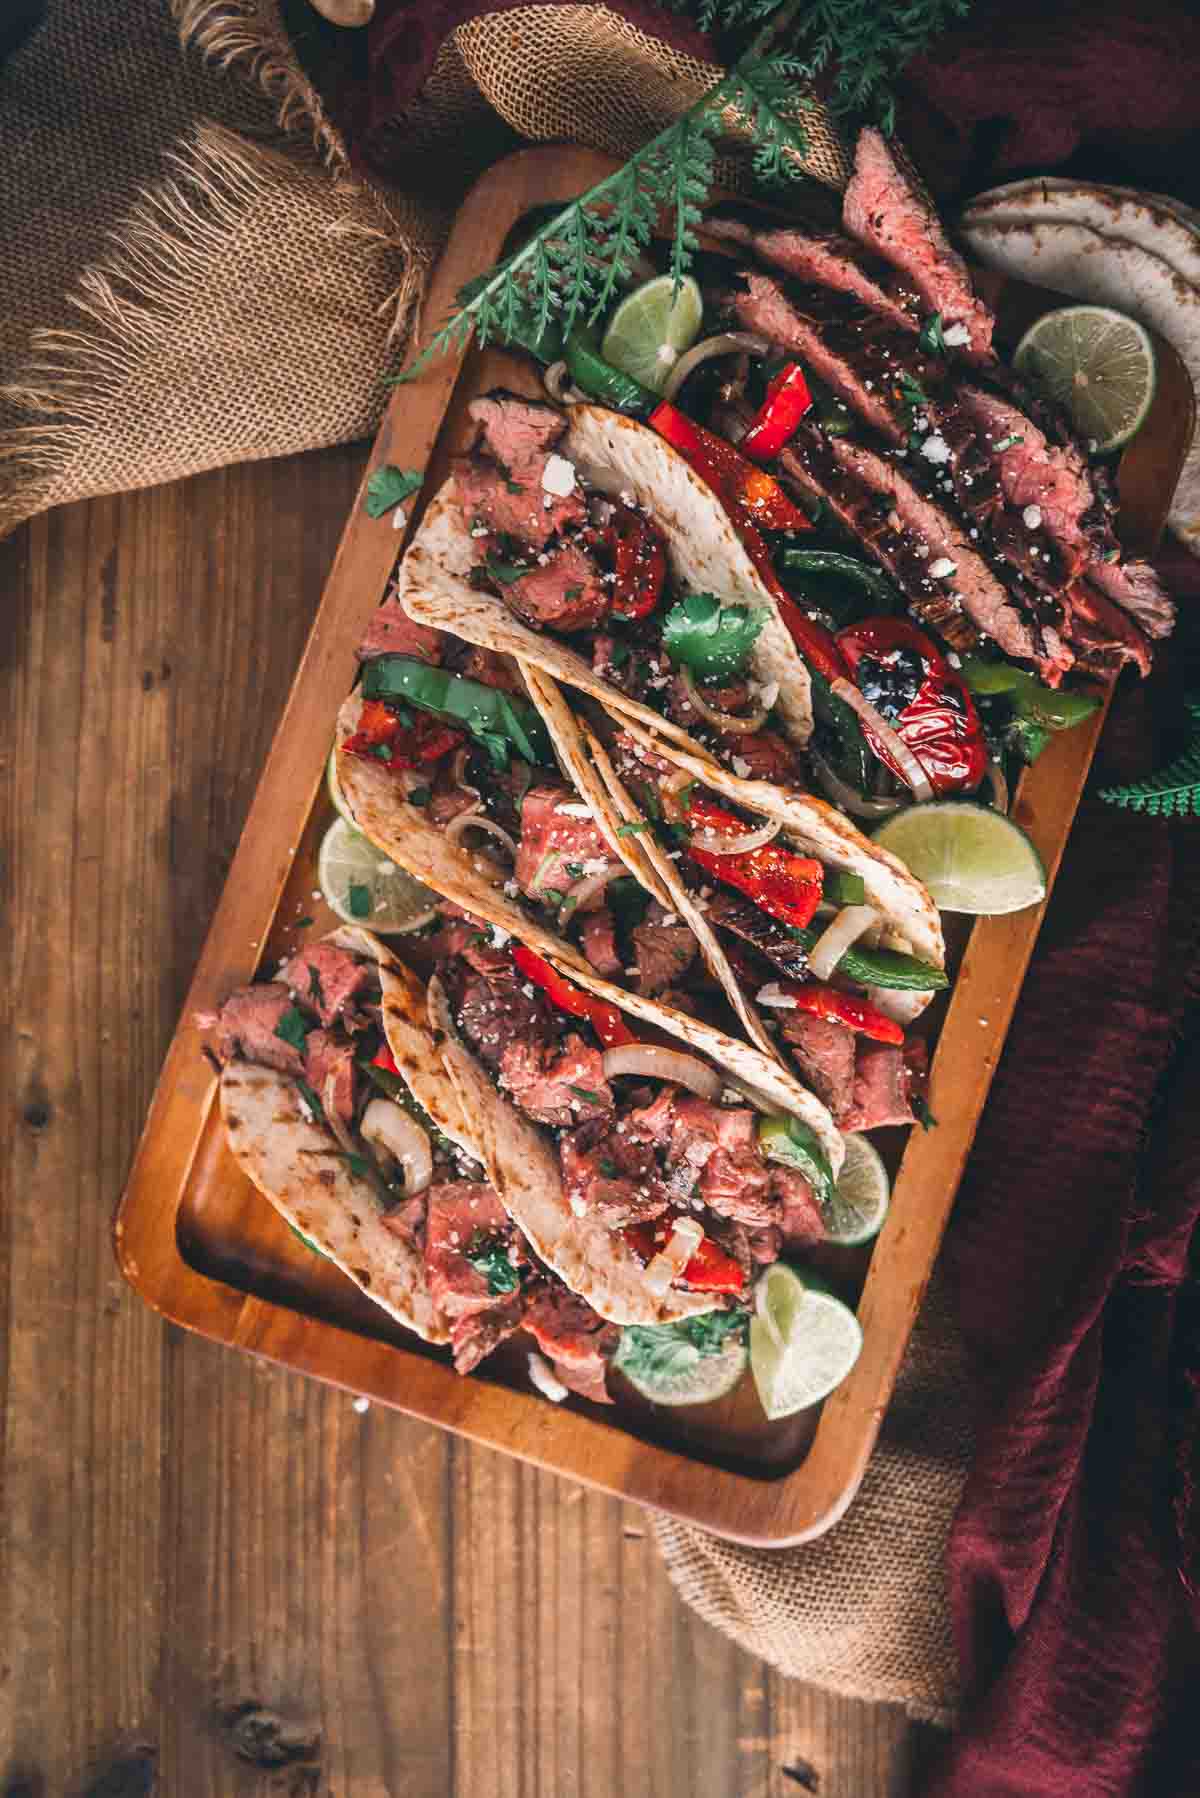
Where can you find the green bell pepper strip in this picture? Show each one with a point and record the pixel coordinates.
(826, 562)
(496, 720)
(1032, 701)
(792, 1144)
(880, 967)
(612, 386)
(851, 760)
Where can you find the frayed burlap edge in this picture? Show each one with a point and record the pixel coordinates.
(249, 36)
(134, 303)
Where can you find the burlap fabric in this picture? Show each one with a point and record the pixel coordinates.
(193, 276)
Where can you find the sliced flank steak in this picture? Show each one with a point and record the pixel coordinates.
(884, 210)
(821, 259)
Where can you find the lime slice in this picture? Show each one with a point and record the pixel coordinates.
(803, 1340)
(665, 1364)
(362, 886)
(859, 1203)
(971, 858)
(651, 328)
(334, 787)
(1099, 366)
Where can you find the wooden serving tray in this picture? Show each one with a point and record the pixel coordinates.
(203, 1248)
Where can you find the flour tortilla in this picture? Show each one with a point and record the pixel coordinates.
(298, 1165)
(524, 1168)
(912, 922)
(1161, 226)
(705, 553)
(1079, 260)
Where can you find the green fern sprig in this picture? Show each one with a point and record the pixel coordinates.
(1171, 792)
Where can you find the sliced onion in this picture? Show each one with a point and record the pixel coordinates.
(851, 923)
(458, 773)
(580, 896)
(724, 721)
(847, 797)
(672, 1259)
(478, 821)
(723, 344)
(906, 762)
(995, 773)
(335, 1123)
(664, 1064)
(561, 391)
(713, 843)
(395, 1138)
(670, 792)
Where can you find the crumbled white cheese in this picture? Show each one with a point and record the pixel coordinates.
(774, 996)
(558, 476)
(1032, 517)
(385, 867)
(942, 567)
(893, 519)
(769, 694)
(954, 660)
(479, 530)
(935, 448)
(362, 1406)
(545, 1378)
(572, 810)
(741, 766)
(922, 550)
(511, 888)
(578, 1205)
(595, 865)
(500, 936)
(956, 337)
(399, 518)
(627, 498)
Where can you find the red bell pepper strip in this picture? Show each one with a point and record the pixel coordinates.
(835, 1007)
(817, 645)
(749, 494)
(385, 1060)
(604, 1018)
(710, 1268)
(938, 722)
(407, 746)
(785, 885)
(778, 419)
(639, 563)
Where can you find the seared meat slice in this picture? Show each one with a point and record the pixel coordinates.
(578, 1341)
(883, 210)
(561, 842)
(1137, 589)
(407, 1221)
(494, 1010)
(735, 1180)
(566, 594)
(760, 755)
(611, 1175)
(824, 1053)
(968, 463)
(598, 939)
(474, 1336)
(733, 698)
(1104, 637)
(392, 632)
(556, 1087)
(516, 432)
(800, 1223)
(1032, 471)
(663, 949)
(885, 1081)
(463, 1219)
(742, 918)
(247, 1024)
(471, 938)
(326, 1058)
(820, 259)
(513, 508)
(327, 979)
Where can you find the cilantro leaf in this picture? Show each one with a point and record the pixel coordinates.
(923, 1114)
(663, 1351)
(388, 487)
(293, 1027)
(713, 640)
(489, 1257)
(631, 830)
(311, 1100)
(589, 1097)
(931, 337)
(503, 572)
(420, 796)
(359, 900)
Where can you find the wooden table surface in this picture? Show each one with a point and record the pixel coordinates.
(219, 1578)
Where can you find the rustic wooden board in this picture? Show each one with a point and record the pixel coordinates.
(202, 1248)
(217, 1579)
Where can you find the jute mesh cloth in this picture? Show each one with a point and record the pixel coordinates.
(192, 276)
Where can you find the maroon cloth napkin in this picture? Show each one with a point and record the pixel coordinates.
(1074, 1564)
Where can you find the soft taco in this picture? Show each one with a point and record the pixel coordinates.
(652, 1178)
(337, 1104)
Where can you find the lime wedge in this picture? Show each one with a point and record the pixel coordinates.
(1099, 366)
(334, 788)
(669, 1362)
(970, 858)
(362, 886)
(859, 1203)
(803, 1340)
(652, 327)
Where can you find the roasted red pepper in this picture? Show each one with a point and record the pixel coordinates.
(785, 885)
(817, 645)
(639, 563)
(604, 1018)
(710, 1268)
(750, 495)
(834, 1007)
(778, 419)
(407, 745)
(906, 677)
(385, 1060)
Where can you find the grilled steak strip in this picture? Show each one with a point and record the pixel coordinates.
(822, 259)
(883, 209)
(742, 918)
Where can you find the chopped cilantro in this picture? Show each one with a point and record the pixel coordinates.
(311, 1100)
(381, 751)
(293, 1028)
(913, 391)
(1003, 443)
(314, 988)
(628, 901)
(307, 1241)
(514, 486)
(711, 639)
(572, 592)
(621, 653)
(388, 487)
(359, 900)
(585, 1093)
(609, 1169)
(924, 1116)
(630, 830)
(420, 796)
(303, 923)
(504, 572)
(931, 337)
(359, 1166)
(489, 1257)
(664, 1350)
